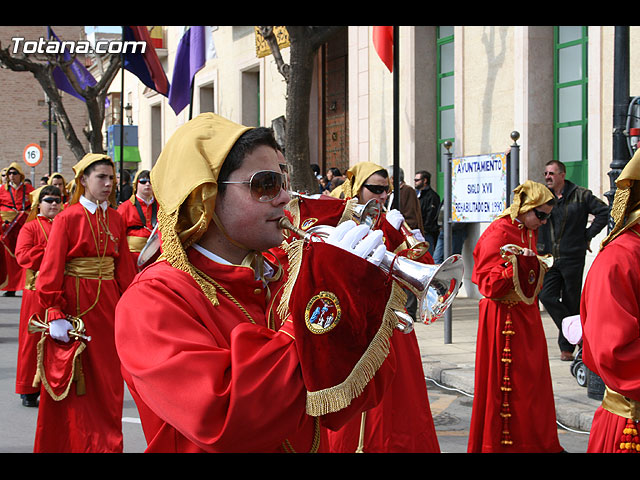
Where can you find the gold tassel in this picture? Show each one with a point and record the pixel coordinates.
(174, 252)
(78, 377)
(618, 212)
(347, 213)
(294, 252)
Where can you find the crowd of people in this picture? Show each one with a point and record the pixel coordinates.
(234, 337)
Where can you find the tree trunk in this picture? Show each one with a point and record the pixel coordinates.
(305, 42)
(298, 91)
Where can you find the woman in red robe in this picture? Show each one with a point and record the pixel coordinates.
(402, 422)
(15, 203)
(513, 405)
(30, 247)
(140, 214)
(610, 316)
(85, 269)
(239, 345)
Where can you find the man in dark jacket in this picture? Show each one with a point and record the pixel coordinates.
(429, 205)
(567, 237)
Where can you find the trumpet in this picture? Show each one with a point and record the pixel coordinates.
(416, 247)
(150, 248)
(435, 286)
(513, 249)
(37, 325)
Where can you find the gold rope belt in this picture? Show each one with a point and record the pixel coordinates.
(94, 268)
(620, 405)
(136, 244)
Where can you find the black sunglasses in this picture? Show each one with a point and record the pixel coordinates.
(144, 181)
(376, 189)
(541, 215)
(52, 200)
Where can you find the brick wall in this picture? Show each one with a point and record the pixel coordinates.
(23, 108)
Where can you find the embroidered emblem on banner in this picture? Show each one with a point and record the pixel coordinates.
(322, 313)
(532, 277)
(308, 223)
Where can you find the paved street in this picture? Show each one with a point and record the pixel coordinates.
(18, 422)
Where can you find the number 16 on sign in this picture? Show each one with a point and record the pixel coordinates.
(32, 154)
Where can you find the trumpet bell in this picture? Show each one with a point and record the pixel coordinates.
(442, 289)
(150, 248)
(368, 213)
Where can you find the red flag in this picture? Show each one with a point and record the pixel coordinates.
(383, 43)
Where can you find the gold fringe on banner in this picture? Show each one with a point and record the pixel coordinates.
(339, 396)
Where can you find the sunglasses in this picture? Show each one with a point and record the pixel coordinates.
(541, 215)
(144, 181)
(52, 200)
(13, 172)
(265, 185)
(376, 189)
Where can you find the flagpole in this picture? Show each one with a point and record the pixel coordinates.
(396, 122)
(50, 115)
(191, 101)
(119, 186)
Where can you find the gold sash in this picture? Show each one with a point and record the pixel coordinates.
(30, 279)
(8, 215)
(136, 244)
(94, 268)
(620, 405)
(510, 299)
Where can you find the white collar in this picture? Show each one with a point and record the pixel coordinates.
(144, 201)
(91, 206)
(268, 269)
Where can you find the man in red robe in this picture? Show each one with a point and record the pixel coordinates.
(513, 405)
(30, 247)
(230, 343)
(15, 203)
(85, 269)
(139, 214)
(610, 316)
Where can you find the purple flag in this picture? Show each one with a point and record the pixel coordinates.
(190, 58)
(84, 78)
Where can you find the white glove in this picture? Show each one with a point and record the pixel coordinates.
(418, 234)
(58, 329)
(359, 240)
(395, 218)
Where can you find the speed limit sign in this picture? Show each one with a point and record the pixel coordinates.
(32, 154)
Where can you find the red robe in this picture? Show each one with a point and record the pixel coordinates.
(30, 247)
(139, 224)
(220, 378)
(532, 424)
(610, 315)
(14, 200)
(402, 422)
(91, 422)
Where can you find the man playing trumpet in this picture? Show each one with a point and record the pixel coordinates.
(513, 405)
(228, 354)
